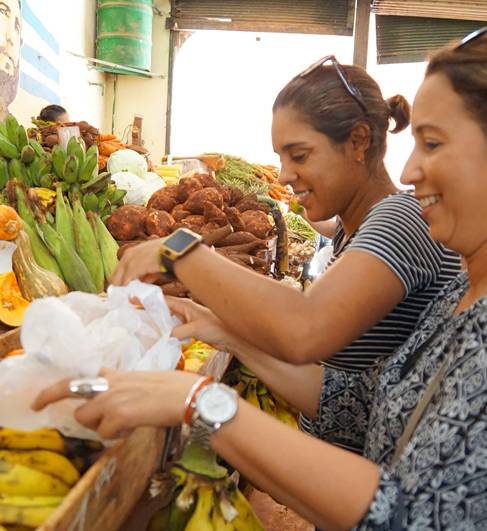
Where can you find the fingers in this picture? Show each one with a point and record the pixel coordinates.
(52, 394)
(184, 331)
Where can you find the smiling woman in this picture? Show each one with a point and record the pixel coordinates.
(10, 21)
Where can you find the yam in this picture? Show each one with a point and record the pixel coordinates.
(159, 222)
(195, 202)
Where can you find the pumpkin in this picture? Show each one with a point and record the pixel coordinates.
(10, 223)
(12, 304)
(34, 281)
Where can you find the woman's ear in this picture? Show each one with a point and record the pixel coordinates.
(360, 141)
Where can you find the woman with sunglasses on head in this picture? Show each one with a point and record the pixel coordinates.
(424, 464)
(329, 128)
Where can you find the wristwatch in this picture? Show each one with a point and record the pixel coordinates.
(215, 405)
(176, 245)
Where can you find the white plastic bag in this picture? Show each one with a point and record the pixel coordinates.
(75, 336)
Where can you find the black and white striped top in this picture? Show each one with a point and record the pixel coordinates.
(395, 233)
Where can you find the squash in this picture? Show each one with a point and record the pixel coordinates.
(10, 223)
(12, 304)
(34, 281)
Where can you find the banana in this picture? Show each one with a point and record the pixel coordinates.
(177, 519)
(12, 127)
(160, 520)
(46, 195)
(29, 511)
(246, 520)
(47, 181)
(218, 522)
(58, 157)
(27, 154)
(251, 394)
(77, 149)
(108, 246)
(7, 149)
(41, 439)
(88, 168)
(18, 171)
(19, 480)
(4, 175)
(22, 138)
(200, 519)
(90, 202)
(70, 171)
(286, 416)
(87, 246)
(37, 148)
(99, 182)
(267, 404)
(3, 129)
(45, 461)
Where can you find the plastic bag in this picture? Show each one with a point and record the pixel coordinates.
(127, 160)
(75, 336)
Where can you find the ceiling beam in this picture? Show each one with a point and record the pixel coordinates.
(361, 32)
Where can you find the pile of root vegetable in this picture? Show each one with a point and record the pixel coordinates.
(237, 225)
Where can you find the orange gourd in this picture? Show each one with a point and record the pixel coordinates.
(10, 223)
(12, 304)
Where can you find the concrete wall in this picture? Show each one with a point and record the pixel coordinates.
(49, 74)
(127, 96)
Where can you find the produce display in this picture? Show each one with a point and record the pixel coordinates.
(204, 497)
(37, 470)
(195, 354)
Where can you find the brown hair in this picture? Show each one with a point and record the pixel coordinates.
(323, 101)
(466, 68)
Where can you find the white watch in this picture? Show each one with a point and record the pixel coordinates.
(215, 405)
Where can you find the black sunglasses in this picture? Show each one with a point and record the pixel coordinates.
(346, 82)
(472, 37)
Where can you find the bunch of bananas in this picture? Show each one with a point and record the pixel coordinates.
(75, 245)
(249, 387)
(37, 469)
(204, 498)
(74, 169)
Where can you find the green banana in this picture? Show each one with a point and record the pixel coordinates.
(22, 138)
(12, 127)
(18, 171)
(100, 178)
(47, 180)
(3, 129)
(116, 196)
(64, 218)
(75, 273)
(7, 149)
(77, 149)
(87, 245)
(37, 148)
(107, 245)
(70, 172)
(4, 175)
(58, 157)
(88, 168)
(27, 155)
(90, 202)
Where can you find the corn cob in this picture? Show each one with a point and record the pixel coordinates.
(87, 245)
(74, 270)
(108, 246)
(64, 218)
(41, 254)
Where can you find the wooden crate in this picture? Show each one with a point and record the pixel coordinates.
(107, 493)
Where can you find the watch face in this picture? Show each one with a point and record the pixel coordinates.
(179, 241)
(216, 403)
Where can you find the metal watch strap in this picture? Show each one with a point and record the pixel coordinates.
(200, 431)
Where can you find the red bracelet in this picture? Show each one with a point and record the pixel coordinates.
(191, 398)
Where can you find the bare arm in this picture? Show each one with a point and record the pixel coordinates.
(298, 385)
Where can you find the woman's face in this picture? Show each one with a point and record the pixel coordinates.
(319, 171)
(448, 167)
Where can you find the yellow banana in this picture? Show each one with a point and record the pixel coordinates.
(45, 195)
(19, 480)
(268, 404)
(200, 520)
(218, 522)
(246, 520)
(29, 511)
(42, 439)
(251, 394)
(2, 528)
(286, 416)
(45, 461)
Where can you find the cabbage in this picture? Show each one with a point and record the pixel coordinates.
(127, 160)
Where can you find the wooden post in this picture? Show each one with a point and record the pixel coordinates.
(361, 32)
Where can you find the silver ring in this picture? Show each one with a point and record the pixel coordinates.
(88, 387)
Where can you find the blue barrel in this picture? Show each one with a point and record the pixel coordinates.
(124, 33)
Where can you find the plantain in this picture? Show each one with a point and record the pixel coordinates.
(19, 480)
(87, 246)
(7, 149)
(12, 128)
(98, 183)
(107, 245)
(4, 175)
(30, 511)
(58, 157)
(90, 202)
(76, 147)
(70, 171)
(37, 148)
(45, 461)
(27, 155)
(18, 171)
(22, 138)
(87, 171)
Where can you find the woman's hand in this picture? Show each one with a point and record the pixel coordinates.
(138, 261)
(133, 399)
(199, 322)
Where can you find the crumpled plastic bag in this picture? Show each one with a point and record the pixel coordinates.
(75, 336)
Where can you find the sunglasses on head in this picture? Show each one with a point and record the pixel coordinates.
(343, 76)
(471, 37)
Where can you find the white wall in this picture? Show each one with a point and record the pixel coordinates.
(71, 25)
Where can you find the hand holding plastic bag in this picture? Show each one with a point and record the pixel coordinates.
(75, 336)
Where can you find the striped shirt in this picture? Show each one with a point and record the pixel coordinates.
(394, 232)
